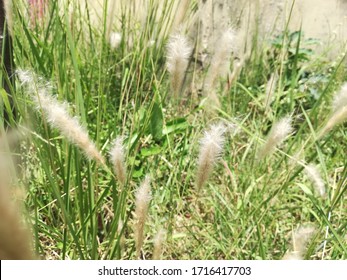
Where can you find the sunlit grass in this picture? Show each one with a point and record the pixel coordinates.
(248, 208)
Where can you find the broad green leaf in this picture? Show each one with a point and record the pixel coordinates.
(156, 124)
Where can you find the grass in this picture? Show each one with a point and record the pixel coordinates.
(247, 210)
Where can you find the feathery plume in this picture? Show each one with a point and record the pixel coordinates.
(143, 197)
(211, 147)
(301, 237)
(15, 238)
(158, 244)
(115, 39)
(313, 174)
(336, 118)
(117, 159)
(340, 99)
(339, 111)
(8, 7)
(279, 132)
(236, 71)
(220, 61)
(177, 59)
(57, 114)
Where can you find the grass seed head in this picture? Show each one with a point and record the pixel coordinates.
(57, 114)
(340, 99)
(117, 158)
(178, 54)
(142, 199)
(220, 61)
(279, 132)
(211, 147)
(315, 177)
(301, 237)
(158, 244)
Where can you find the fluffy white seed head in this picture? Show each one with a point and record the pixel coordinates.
(339, 116)
(339, 111)
(301, 237)
(117, 158)
(315, 177)
(211, 147)
(340, 99)
(224, 51)
(177, 59)
(57, 114)
(279, 132)
(115, 40)
(158, 244)
(142, 199)
(220, 61)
